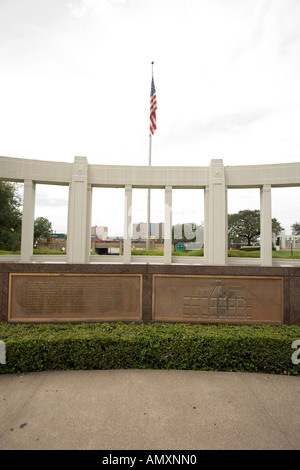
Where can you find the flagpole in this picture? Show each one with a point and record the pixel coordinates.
(149, 192)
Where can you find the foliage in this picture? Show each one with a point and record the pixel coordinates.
(10, 217)
(296, 228)
(245, 225)
(42, 229)
(37, 347)
(276, 226)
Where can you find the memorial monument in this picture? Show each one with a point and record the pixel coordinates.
(210, 289)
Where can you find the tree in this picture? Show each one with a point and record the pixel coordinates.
(42, 229)
(245, 226)
(276, 227)
(10, 217)
(296, 228)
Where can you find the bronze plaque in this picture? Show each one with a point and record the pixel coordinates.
(222, 299)
(69, 297)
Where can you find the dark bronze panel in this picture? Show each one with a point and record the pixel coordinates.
(223, 299)
(69, 297)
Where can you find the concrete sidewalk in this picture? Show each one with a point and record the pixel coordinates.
(149, 410)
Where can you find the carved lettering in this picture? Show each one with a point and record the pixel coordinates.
(75, 296)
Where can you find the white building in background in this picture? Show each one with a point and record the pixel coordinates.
(157, 230)
(139, 231)
(287, 241)
(99, 232)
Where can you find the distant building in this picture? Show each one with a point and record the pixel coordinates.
(157, 230)
(139, 231)
(287, 241)
(99, 232)
(58, 236)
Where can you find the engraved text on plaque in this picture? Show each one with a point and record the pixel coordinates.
(66, 297)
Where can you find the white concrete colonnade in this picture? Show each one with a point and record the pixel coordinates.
(215, 180)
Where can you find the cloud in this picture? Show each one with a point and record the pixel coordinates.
(51, 195)
(272, 31)
(232, 122)
(93, 8)
(227, 123)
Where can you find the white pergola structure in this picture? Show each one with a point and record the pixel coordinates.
(81, 177)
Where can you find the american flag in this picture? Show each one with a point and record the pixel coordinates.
(153, 108)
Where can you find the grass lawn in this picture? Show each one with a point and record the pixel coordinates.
(48, 252)
(256, 254)
(231, 253)
(286, 254)
(35, 252)
(161, 253)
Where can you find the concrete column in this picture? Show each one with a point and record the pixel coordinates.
(79, 213)
(89, 220)
(217, 242)
(168, 226)
(266, 225)
(28, 221)
(206, 221)
(226, 225)
(127, 224)
(283, 241)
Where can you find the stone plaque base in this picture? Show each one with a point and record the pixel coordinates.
(74, 297)
(222, 299)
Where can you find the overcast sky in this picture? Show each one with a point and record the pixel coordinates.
(75, 80)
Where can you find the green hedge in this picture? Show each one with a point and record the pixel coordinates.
(149, 346)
